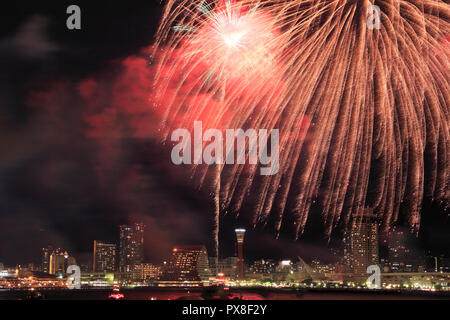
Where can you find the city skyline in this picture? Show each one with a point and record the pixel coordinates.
(359, 249)
(192, 266)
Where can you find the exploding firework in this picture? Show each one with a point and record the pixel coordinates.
(363, 113)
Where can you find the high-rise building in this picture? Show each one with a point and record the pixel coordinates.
(45, 260)
(361, 243)
(104, 257)
(59, 261)
(188, 266)
(399, 255)
(131, 252)
(444, 263)
(240, 234)
(149, 271)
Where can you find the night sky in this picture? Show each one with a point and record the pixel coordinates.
(68, 177)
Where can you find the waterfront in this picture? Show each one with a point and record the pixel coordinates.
(234, 294)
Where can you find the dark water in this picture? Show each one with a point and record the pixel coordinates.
(171, 294)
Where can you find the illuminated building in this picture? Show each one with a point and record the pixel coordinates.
(416, 280)
(228, 267)
(444, 263)
(188, 266)
(435, 263)
(104, 257)
(361, 244)
(240, 234)
(25, 279)
(45, 260)
(97, 279)
(131, 252)
(59, 262)
(284, 268)
(150, 271)
(263, 267)
(399, 257)
(321, 268)
(212, 265)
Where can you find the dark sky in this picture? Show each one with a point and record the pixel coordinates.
(61, 186)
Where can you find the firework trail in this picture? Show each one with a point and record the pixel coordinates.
(373, 102)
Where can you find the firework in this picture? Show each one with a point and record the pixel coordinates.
(363, 113)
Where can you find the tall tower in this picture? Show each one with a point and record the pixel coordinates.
(131, 253)
(399, 257)
(104, 257)
(240, 234)
(45, 264)
(361, 243)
